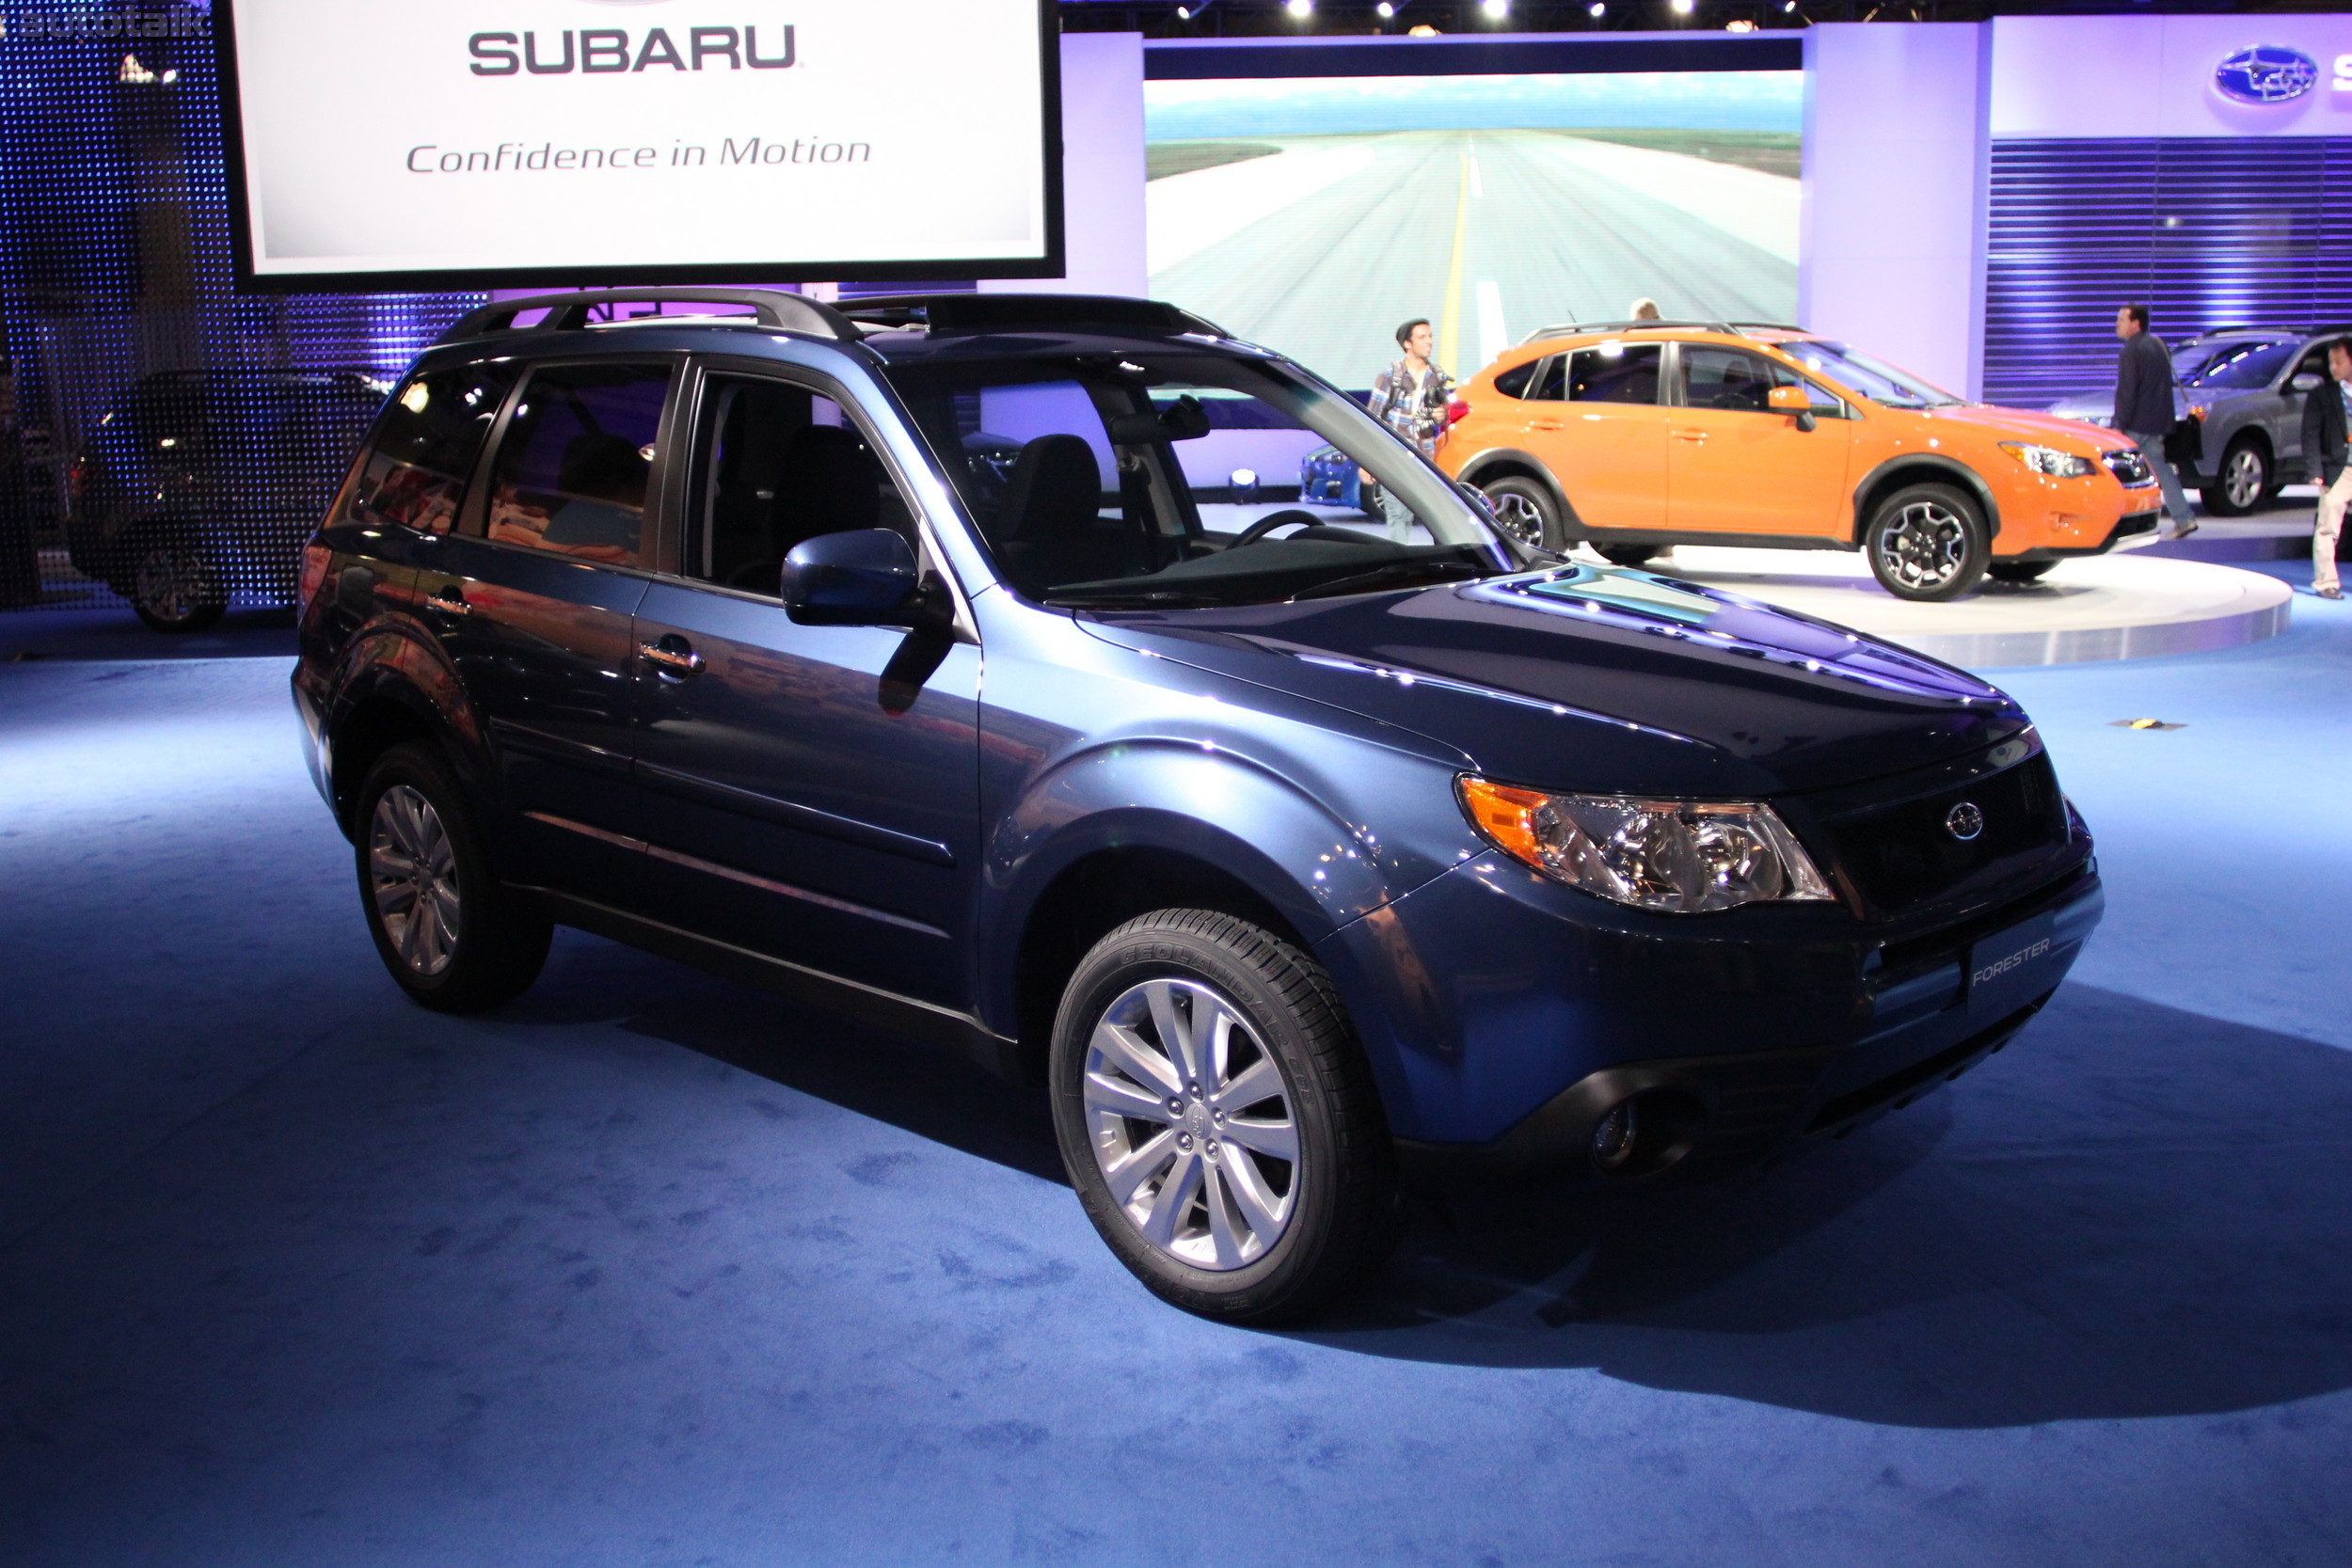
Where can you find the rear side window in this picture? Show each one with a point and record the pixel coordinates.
(1614, 373)
(426, 441)
(572, 469)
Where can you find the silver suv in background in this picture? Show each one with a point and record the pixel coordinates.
(2250, 381)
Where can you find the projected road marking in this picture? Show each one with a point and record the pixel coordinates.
(1449, 338)
(1493, 337)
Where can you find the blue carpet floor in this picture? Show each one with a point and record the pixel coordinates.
(649, 1269)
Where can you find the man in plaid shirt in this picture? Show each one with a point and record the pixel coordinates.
(1409, 397)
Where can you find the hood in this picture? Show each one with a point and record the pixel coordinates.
(2025, 424)
(1602, 679)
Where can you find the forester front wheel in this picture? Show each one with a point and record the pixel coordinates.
(1218, 1119)
(452, 937)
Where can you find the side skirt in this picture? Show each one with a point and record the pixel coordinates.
(959, 1032)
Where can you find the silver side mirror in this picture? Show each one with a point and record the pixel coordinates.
(2307, 381)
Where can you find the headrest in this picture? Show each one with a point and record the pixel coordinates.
(1056, 488)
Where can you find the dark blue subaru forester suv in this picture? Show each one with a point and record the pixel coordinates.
(940, 659)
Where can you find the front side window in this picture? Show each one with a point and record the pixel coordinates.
(572, 469)
(426, 441)
(776, 463)
(1614, 373)
(1150, 477)
(1713, 377)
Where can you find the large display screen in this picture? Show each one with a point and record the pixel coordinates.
(1315, 214)
(524, 141)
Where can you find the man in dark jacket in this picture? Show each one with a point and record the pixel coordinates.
(2326, 417)
(2143, 406)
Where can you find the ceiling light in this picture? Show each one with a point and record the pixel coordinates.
(1597, 9)
(1184, 13)
(1496, 9)
(1385, 9)
(1739, 24)
(1302, 10)
(1680, 7)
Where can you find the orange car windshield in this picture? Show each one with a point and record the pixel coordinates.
(1875, 379)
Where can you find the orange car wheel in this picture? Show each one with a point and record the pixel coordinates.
(1927, 543)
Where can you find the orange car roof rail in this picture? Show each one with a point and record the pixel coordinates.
(1569, 330)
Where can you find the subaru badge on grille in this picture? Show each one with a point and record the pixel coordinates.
(1964, 821)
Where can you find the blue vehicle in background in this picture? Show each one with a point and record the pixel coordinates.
(930, 659)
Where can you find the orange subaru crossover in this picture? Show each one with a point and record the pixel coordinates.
(1635, 436)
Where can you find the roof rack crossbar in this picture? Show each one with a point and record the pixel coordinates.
(568, 312)
(1562, 330)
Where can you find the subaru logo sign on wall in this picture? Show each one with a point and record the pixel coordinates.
(2267, 73)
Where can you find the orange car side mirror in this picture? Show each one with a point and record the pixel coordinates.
(1791, 399)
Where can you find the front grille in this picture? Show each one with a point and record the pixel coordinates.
(1902, 856)
(2131, 469)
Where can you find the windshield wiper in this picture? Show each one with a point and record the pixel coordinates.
(1396, 574)
(1123, 598)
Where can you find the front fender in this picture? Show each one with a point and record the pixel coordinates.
(1316, 868)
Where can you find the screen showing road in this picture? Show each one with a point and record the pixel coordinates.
(552, 140)
(1315, 214)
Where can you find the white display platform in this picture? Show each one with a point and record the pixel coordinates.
(2098, 607)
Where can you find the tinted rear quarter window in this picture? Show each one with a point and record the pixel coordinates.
(426, 441)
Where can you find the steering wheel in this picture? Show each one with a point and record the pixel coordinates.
(1271, 522)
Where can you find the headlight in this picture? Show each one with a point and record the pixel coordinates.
(1678, 857)
(2049, 460)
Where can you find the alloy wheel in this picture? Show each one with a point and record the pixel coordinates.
(413, 872)
(2241, 477)
(1925, 547)
(1515, 515)
(1191, 1124)
(172, 583)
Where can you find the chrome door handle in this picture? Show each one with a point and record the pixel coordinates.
(448, 602)
(674, 661)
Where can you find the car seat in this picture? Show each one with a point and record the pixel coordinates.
(825, 482)
(1052, 530)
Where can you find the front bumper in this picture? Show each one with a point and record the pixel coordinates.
(1508, 1015)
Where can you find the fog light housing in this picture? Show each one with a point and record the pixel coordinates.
(1616, 1135)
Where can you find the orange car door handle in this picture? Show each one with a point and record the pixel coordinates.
(1543, 425)
(1689, 436)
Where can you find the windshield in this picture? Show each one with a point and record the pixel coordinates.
(1164, 478)
(2246, 367)
(1874, 379)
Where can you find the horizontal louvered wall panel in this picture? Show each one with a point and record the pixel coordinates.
(2206, 232)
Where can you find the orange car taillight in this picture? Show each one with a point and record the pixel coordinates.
(1457, 411)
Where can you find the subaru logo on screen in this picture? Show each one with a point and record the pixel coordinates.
(2267, 73)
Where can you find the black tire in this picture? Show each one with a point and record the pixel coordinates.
(1927, 543)
(485, 950)
(1524, 509)
(2019, 571)
(1320, 1222)
(2240, 479)
(173, 587)
(1630, 555)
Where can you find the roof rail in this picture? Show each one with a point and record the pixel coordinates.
(972, 312)
(1766, 326)
(1564, 329)
(568, 312)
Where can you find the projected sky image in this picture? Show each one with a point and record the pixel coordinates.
(1313, 215)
